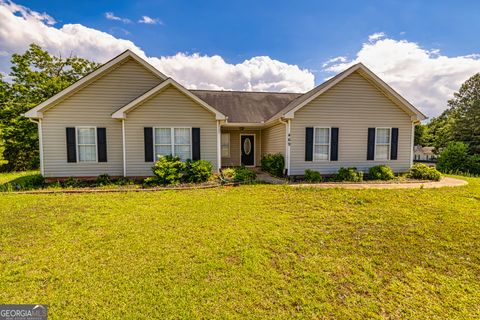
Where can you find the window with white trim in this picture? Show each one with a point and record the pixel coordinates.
(87, 144)
(173, 141)
(382, 143)
(321, 144)
(225, 145)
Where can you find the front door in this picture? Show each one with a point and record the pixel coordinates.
(247, 146)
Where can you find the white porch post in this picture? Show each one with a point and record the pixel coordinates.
(124, 152)
(288, 142)
(219, 147)
(40, 144)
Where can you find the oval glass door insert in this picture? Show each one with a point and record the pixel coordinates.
(247, 146)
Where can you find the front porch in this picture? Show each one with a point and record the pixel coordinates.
(241, 146)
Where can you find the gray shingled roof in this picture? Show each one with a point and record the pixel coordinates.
(246, 106)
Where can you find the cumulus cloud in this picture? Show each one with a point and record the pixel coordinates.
(148, 20)
(112, 16)
(20, 26)
(425, 77)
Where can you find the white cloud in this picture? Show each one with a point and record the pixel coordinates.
(112, 16)
(376, 36)
(424, 77)
(20, 26)
(148, 20)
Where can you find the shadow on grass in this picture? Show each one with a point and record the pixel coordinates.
(26, 182)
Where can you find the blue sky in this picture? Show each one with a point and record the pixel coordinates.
(424, 49)
(305, 33)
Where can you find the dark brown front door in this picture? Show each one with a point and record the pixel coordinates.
(247, 146)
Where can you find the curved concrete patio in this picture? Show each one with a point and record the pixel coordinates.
(444, 182)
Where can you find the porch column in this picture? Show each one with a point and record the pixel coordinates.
(287, 151)
(219, 146)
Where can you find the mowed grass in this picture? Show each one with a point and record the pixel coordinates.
(255, 251)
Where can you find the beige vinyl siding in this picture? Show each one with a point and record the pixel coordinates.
(353, 106)
(93, 106)
(169, 108)
(273, 139)
(234, 159)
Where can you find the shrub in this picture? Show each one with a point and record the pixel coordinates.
(150, 182)
(103, 180)
(456, 159)
(349, 174)
(244, 174)
(198, 170)
(381, 172)
(72, 182)
(423, 172)
(313, 176)
(273, 163)
(169, 170)
(229, 173)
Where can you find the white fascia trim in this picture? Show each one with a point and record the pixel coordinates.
(36, 112)
(408, 106)
(122, 112)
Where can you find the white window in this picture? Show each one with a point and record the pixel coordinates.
(321, 144)
(173, 141)
(87, 144)
(382, 143)
(226, 145)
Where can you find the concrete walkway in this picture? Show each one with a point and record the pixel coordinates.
(444, 182)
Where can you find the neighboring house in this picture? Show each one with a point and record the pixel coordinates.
(424, 154)
(121, 117)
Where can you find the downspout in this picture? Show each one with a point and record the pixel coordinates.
(40, 143)
(287, 145)
(124, 149)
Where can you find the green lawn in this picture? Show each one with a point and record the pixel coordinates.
(246, 252)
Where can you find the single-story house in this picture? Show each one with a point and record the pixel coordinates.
(120, 118)
(424, 154)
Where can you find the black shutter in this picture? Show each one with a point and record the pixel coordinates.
(195, 143)
(71, 145)
(371, 144)
(394, 146)
(308, 144)
(102, 144)
(148, 143)
(334, 145)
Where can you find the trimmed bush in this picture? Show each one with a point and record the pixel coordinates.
(274, 164)
(381, 172)
(455, 158)
(169, 170)
(244, 174)
(423, 172)
(198, 171)
(349, 174)
(313, 176)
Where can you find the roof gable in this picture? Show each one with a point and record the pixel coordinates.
(122, 112)
(300, 102)
(37, 112)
